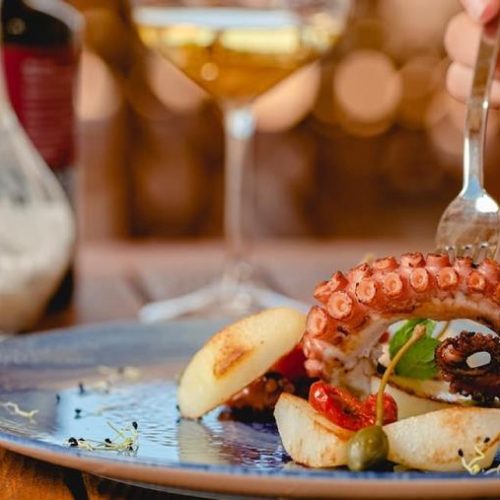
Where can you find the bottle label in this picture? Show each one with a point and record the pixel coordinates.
(40, 82)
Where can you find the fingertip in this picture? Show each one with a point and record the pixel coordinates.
(461, 39)
(459, 81)
(482, 11)
(491, 11)
(454, 31)
(459, 84)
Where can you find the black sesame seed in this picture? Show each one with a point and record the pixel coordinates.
(81, 439)
(78, 412)
(108, 441)
(72, 442)
(486, 440)
(81, 388)
(135, 425)
(130, 448)
(58, 398)
(460, 452)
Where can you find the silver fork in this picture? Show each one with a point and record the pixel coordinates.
(470, 224)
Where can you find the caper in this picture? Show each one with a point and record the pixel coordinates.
(367, 448)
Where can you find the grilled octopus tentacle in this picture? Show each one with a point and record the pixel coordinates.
(481, 382)
(355, 309)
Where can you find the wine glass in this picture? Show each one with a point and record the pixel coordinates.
(236, 50)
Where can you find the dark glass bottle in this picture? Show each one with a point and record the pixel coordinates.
(40, 52)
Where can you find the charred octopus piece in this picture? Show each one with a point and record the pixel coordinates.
(356, 308)
(481, 382)
(256, 402)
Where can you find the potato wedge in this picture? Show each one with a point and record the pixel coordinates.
(432, 441)
(235, 357)
(308, 437)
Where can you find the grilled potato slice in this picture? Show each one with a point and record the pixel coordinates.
(433, 441)
(236, 356)
(308, 437)
(428, 442)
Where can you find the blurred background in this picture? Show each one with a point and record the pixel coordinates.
(365, 144)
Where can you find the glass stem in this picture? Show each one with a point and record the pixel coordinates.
(239, 125)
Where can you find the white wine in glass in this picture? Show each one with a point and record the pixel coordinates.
(236, 54)
(236, 50)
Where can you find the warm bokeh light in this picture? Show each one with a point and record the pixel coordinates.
(175, 90)
(99, 94)
(366, 108)
(421, 76)
(289, 102)
(415, 26)
(372, 122)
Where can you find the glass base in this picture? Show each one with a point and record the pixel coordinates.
(234, 295)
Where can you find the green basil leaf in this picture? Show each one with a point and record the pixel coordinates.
(419, 361)
(430, 326)
(402, 335)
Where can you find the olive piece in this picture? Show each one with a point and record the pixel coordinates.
(367, 448)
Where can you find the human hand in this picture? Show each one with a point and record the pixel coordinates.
(461, 42)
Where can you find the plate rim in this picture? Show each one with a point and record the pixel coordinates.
(220, 478)
(269, 483)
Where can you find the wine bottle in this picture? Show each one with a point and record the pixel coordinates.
(37, 231)
(40, 51)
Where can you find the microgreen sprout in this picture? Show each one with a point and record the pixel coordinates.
(473, 467)
(124, 440)
(15, 410)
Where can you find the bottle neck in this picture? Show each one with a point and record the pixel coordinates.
(50, 23)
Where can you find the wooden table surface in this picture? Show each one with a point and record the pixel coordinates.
(115, 279)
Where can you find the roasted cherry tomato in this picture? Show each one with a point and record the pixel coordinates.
(390, 408)
(345, 410)
(291, 365)
(338, 405)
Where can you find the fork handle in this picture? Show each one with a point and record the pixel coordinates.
(477, 109)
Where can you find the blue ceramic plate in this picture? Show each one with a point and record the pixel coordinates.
(82, 379)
